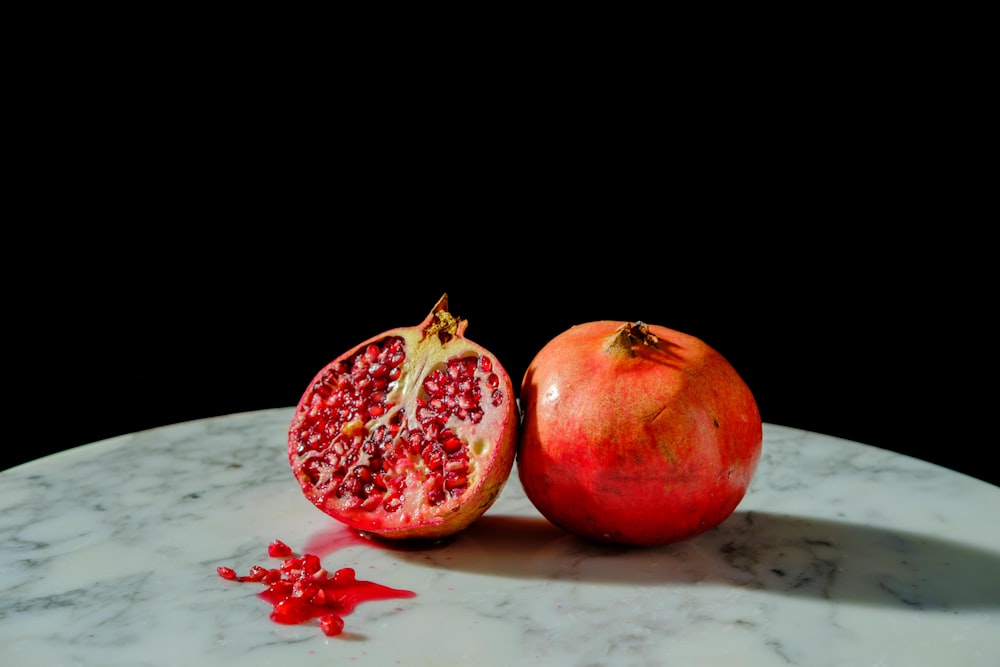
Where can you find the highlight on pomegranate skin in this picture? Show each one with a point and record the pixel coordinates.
(410, 434)
(300, 589)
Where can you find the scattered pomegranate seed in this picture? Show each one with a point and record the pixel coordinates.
(331, 625)
(291, 611)
(301, 589)
(278, 549)
(344, 576)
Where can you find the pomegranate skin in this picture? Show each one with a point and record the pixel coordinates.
(635, 434)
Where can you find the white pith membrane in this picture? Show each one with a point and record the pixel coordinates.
(400, 433)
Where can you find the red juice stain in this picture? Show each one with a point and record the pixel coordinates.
(300, 589)
(341, 536)
(337, 538)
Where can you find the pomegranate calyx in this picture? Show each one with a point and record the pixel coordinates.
(443, 324)
(625, 337)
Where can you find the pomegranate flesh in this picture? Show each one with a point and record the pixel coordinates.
(410, 434)
(635, 434)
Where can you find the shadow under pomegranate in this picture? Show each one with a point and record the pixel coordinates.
(758, 551)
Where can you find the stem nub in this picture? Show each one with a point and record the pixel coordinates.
(443, 324)
(630, 334)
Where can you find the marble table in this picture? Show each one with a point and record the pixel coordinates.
(840, 554)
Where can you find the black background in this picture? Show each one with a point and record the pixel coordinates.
(197, 247)
(843, 334)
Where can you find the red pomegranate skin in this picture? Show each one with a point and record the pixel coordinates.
(635, 434)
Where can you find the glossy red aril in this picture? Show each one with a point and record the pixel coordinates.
(331, 625)
(410, 434)
(635, 434)
(278, 549)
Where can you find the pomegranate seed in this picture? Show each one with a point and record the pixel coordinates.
(392, 504)
(433, 457)
(486, 364)
(396, 352)
(278, 549)
(291, 611)
(351, 486)
(344, 576)
(453, 481)
(282, 588)
(310, 563)
(331, 625)
(226, 572)
(304, 588)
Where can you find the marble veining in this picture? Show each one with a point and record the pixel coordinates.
(840, 554)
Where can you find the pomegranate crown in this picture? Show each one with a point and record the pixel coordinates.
(630, 334)
(443, 324)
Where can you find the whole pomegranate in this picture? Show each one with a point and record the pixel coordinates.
(635, 434)
(410, 434)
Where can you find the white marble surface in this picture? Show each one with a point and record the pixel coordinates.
(840, 554)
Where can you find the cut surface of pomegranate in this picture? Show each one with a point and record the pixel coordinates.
(410, 434)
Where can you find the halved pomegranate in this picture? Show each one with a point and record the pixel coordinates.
(410, 434)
